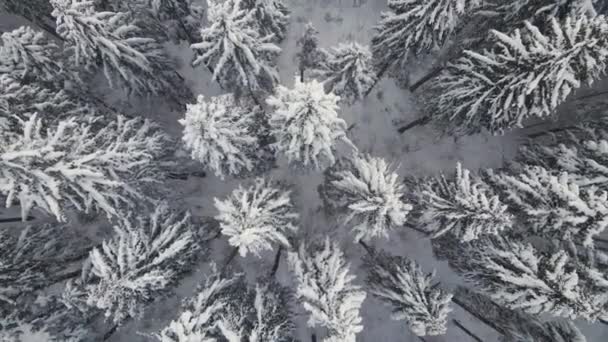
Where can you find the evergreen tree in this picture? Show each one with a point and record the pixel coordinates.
(272, 17)
(349, 72)
(75, 163)
(144, 257)
(310, 56)
(325, 288)
(305, 123)
(238, 56)
(554, 205)
(527, 73)
(36, 11)
(415, 27)
(519, 276)
(221, 135)
(463, 205)
(257, 217)
(401, 283)
(369, 193)
(113, 42)
(26, 54)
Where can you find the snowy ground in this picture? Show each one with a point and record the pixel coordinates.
(418, 152)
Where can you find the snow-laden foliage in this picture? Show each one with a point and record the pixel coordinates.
(112, 41)
(539, 11)
(310, 56)
(305, 123)
(554, 205)
(36, 11)
(239, 57)
(369, 193)
(272, 17)
(349, 71)
(401, 283)
(324, 286)
(520, 277)
(257, 217)
(220, 134)
(552, 331)
(225, 310)
(78, 163)
(27, 54)
(18, 99)
(463, 205)
(527, 73)
(144, 257)
(415, 27)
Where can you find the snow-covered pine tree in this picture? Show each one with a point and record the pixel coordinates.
(369, 194)
(227, 310)
(112, 41)
(527, 73)
(552, 331)
(27, 55)
(221, 135)
(349, 72)
(310, 56)
(257, 217)
(326, 290)
(462, 205)
(518, 276)
(415, 27)
(272, 17)
(305, 123)
(554, 205)
(145, 257)
(239, 57)
(36, 11)
(79, 163)
(401, 283)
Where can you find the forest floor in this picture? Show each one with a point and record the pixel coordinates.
(420, 151)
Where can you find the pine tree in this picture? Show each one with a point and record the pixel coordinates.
(554, 205)
(527, 73)
(310, 56)
(144, 258)
(75, 163)
(517, 275)
(221, 135)
(349, 71)
(305, 123)
(26, 54)
(326, 290)
(272, 17)
(463, 205)
(113, 42)
(415, 27)
(401, 283)
(369, 193)
(238, 56)
(257, 217)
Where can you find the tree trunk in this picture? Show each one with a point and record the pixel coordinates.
(277, 261)
(553, 130)
(368, 249)
(603, 321)
(425, 78)
(418, 122)
(229, 259)
(301, 74)
(475, 314)
(110, 332)
(421, 338)
(411, 226)
(467, 331)
(313, 337)
(17, 219)
(379, 76)
(185, 175)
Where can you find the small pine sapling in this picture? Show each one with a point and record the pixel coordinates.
(369, 194)
(463, 205)
(401, 283)
(240, 58)
(257, 217)
(310, 56)
(304, 120)
(349, 72)
(324, 286)
(145, 257)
